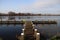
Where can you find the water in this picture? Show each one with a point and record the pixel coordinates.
(9, 32)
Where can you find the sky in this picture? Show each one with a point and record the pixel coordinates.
(30, 6)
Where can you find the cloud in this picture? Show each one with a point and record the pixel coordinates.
(32, 6)
(43, 5)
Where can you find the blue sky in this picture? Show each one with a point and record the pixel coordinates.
(31, 6)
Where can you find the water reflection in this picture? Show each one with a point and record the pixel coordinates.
(9, 31)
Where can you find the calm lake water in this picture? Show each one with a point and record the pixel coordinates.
(9, 32)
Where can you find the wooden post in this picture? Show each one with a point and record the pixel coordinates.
(38, 36)
(22, 36)
(23, 30)
(35, 31)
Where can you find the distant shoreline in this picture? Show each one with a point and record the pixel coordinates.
(26, 14)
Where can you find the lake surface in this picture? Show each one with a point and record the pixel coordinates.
(9, 32)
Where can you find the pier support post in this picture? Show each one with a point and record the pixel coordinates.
(35, 31)
(22, 36)
(37, 36)
(23, 30)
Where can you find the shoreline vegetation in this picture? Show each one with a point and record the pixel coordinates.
(26, 14)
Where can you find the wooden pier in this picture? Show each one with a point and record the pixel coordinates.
(22, 22)
(29, 32)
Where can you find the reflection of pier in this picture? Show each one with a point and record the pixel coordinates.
(29, 33)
